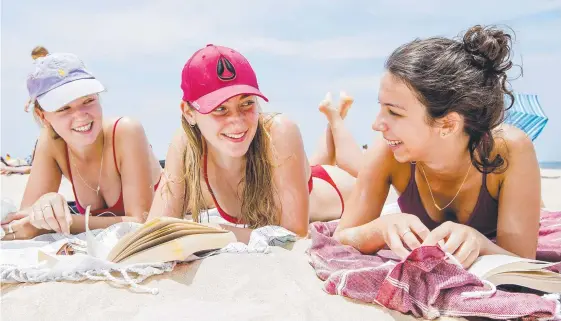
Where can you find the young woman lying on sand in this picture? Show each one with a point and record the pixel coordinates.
(462, 177)
(109, 162)
(248, 164)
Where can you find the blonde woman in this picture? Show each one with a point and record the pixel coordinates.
(251, 166)
(109, 161)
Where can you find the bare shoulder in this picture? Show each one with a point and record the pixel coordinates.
(281, 127)
(179, 140)
(128, 127)
(511, 142)
(381, 154)
(48, 145)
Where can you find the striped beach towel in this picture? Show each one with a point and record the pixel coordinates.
(425, 284)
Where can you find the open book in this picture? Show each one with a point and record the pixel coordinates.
(505, 269)
(162, 239)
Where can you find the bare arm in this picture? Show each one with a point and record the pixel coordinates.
(46, 175)
(519, 200)
(290, 175)
(360, 224)
(137, 165)
(170, 196)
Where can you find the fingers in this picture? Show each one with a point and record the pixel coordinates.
(51, 217)
(410, 239)
(419, 229)
(473, 255)
(439, 233)
(35, 216)
(63, 215)
(13, 230)
(394, 242)
(466, 251)
(454, 241)
(14, 216)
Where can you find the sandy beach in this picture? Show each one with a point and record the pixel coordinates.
(277, 286)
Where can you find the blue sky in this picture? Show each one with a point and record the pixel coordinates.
(299, 49)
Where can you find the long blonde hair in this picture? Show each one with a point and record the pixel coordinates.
(260, 205)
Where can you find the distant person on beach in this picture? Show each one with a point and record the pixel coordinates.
(37, 52)
(8, 169)
(248, 164)
(463, 177)
(108, 161)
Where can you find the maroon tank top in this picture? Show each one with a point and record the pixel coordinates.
(483, 218)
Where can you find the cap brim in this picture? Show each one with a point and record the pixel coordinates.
(209, 102)
(64, 94)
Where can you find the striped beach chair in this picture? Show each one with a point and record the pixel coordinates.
(526, 114)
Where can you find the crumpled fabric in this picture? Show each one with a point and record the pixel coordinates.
(19, 262)
(425, 284)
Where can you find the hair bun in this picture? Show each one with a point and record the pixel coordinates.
(490, 48)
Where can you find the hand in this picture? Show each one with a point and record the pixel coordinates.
(400, 230)
(19, 228)
(50, 212)
(459, 240)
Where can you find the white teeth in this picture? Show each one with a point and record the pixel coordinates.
(84, 128)
(394, 142)
(235, 136)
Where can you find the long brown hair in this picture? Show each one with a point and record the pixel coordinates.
(260, 205)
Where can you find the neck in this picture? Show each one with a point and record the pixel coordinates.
(449, 160)
(232, 166)
(89, 152)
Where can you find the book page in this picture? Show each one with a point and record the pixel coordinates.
(181, 248)
(488, 265)
(169, 234)
(147, 229)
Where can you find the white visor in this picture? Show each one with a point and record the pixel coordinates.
(63, 95)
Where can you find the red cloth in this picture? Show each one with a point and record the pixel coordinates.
(424, 285)
(549, 240)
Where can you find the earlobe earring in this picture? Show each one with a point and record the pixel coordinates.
(443, 134)
(192, 124)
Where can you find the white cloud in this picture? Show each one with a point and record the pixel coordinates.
(120, 38)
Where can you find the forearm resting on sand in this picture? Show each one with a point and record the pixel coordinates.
(98, 222)
(366, 238)
(242, 234)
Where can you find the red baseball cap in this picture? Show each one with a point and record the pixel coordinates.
(215, 74)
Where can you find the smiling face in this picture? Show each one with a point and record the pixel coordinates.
(230, 127)
(78, 122)
(402, 120)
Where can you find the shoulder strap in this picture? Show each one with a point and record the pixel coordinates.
(115, 155)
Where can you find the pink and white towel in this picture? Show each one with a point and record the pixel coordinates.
(425, 284)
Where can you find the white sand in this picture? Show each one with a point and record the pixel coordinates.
(278, 286)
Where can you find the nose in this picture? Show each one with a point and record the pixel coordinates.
(380, 123)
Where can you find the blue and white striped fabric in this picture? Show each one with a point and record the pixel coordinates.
(526, 114)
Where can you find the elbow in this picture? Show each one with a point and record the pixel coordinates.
(301, 231)
(338, 236)
(135, 219)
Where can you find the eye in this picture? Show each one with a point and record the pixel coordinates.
(65, 108)
(220, 110)
(248, 103)
(89, 100)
